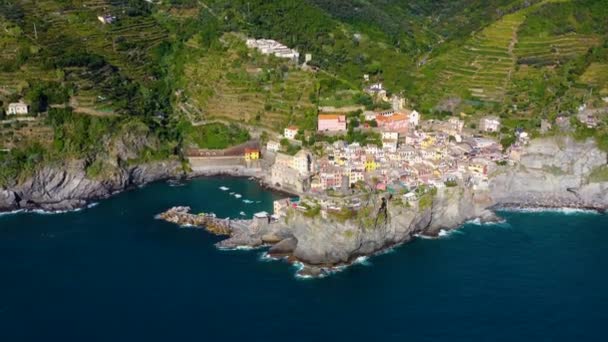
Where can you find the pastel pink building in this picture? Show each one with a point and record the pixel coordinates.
(394, 123)
(331, 123)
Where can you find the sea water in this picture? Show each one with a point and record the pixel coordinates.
(114, 273)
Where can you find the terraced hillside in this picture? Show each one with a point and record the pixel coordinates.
(541, 51)
(233, 83)
(50, 39)
(481, 69)
(596, 76)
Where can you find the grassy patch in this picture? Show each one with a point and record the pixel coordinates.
(214, 135)
(599, 174)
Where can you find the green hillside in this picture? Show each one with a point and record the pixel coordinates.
(181, 69)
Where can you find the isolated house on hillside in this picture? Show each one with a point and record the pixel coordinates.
(290, 132)
(106, 18)
(17, 108)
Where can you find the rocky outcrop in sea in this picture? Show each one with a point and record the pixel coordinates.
(553, 172)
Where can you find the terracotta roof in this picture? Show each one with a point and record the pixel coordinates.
(332, 117)
(393, 118)
(293, 128)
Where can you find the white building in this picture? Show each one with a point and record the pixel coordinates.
(273, 146)
(17, 108)
(302, 162)
(456, 124)
(369, 115)
(397, 103)
(489, 124)
(414, 118)
(390, 135)
(106, 19)
(290, 132)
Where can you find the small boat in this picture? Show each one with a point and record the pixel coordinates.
(238, 195)
(223, 188)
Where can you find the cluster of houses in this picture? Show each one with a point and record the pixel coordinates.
(413, 154)
(272, 47)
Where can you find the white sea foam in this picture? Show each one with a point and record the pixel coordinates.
(449, 232)
(246, 201)
(242, 213)
(242, 248)
(443, 233)
(565, 211)
(478, 222)
(238, 195)
(223, 188)
(265, 257)
(362, 260)
(11, 212)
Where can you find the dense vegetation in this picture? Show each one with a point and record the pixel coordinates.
(179, 73)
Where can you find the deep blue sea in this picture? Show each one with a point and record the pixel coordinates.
(114, 273)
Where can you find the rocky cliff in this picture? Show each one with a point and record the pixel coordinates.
(554, 172)
(327, 241)
(67, 186)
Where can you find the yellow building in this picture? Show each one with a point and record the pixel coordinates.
(370, 165)
(428, 142)
(252, 154)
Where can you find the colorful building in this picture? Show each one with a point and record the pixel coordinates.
(252, 154)
(331, 123)
(395, 123)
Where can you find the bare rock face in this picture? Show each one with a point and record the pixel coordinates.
(285, 247)
(553, 172)
(327, 242)
(8, 200)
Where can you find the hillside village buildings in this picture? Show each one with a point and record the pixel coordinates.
(407, 160)
(272, 47)
(17, 108)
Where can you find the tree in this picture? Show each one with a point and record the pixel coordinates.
(37, 100)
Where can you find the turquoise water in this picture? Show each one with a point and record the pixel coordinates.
(114, 273)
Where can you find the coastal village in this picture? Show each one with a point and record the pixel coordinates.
(412, 158)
